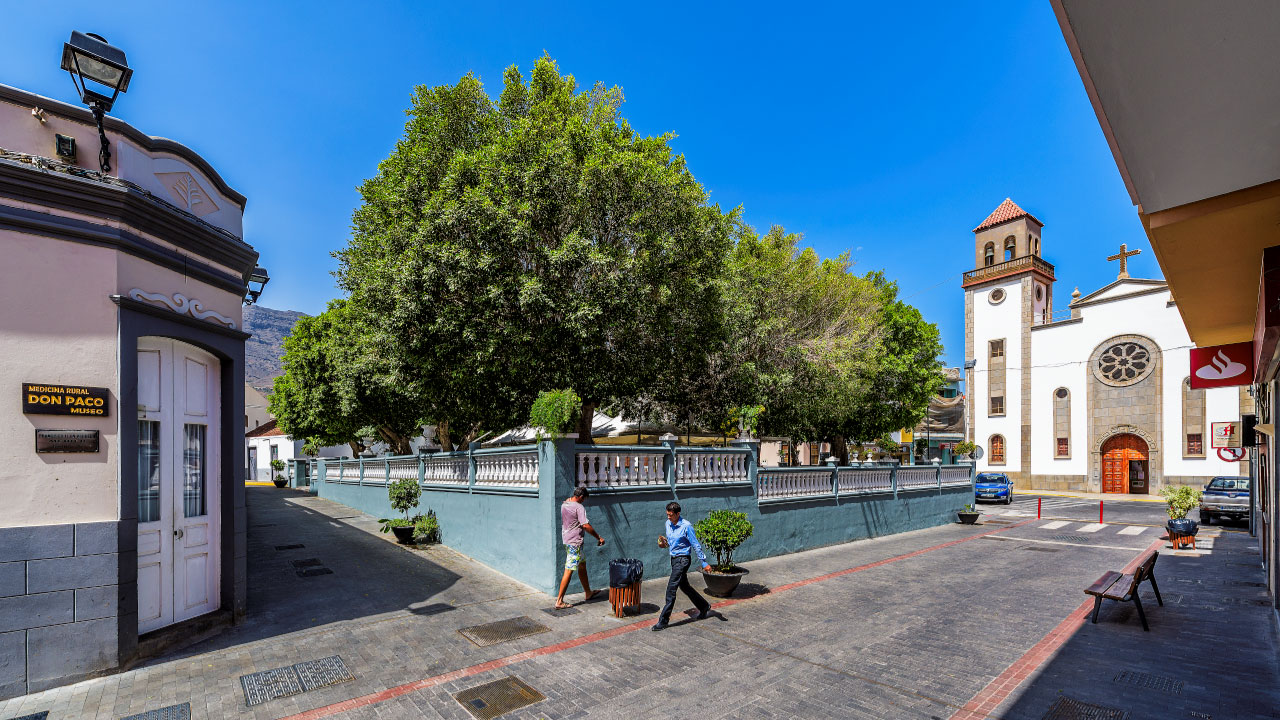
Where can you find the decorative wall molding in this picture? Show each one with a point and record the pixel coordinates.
(182, 305)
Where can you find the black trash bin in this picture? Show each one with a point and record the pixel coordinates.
(624, 584)
(625, 572)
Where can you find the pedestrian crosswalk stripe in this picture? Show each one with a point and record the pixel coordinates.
(1090, 527)
(1054, 525)
(1132, 530)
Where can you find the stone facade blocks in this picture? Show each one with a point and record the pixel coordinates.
(71, 572)
(59, 604)
(41, 541)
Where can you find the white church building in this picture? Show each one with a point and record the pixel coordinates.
(1095, 398)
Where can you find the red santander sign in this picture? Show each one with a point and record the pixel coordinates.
(1222, 365)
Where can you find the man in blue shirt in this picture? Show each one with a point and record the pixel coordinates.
(680, 539)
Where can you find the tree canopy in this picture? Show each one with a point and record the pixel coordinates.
(535, 241)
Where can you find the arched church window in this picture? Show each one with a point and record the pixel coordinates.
(1035, 246)
(1124, 363)
(989, 254)
(1192, 420)
(1061, 423)
(1010, 248)
(996, 443)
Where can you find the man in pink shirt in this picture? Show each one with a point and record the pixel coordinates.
(573, 520)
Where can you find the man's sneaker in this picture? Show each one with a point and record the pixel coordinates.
(659, 626)
(704, 614)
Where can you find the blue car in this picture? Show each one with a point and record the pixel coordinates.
(996, 487)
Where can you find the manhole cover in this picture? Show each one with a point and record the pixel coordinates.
(499, 697)
(1069, 538)
(312, 572)
(1041, 549)
(323, 672)
(309, 562)
(1071, 709)
(269, 685)
(503, 630)
(1149, 681)
(561, 612)
(173, 712)
(295, 546)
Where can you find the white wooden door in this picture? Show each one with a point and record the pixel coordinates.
(178, 488)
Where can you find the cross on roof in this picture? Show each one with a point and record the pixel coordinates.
(1123, 256)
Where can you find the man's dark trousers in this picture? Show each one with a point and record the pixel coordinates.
(680, 579)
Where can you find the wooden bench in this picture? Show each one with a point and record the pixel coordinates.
(1124, 586)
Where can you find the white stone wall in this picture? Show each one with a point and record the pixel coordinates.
(992, 322)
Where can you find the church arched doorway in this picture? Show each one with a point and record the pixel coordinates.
(1125, 466)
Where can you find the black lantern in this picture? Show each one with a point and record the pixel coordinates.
(88, 57)
(258, 280)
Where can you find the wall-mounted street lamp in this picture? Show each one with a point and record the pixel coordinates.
(258, 280)
(88, 57)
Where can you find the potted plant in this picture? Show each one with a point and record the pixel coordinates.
(1180, 501)
(962, 449)
(277, 467)
(426, 528)
(404, 495)
(722, 531)
(969, 515)
(555, 412)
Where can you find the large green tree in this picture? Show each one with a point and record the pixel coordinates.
(533, 242)
(335, 391)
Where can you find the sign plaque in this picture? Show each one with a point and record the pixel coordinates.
(1226, 435)
(51, 399)
(1222, 365)
(66, 441)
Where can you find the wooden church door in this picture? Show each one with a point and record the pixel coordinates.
(1120, 455)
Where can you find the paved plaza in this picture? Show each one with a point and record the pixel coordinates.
(957, 621)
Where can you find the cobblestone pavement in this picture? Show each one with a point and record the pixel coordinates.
(916, 625)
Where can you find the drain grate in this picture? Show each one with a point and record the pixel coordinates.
(269, 685)
(503, 630)
(42, 715)
(294, 679)
(499, 697)
(561, 612)
(323, 672)
(312, 572)
(173, 712)
(1147, 681)
(309, 562)
(295, 546)
(1033, 548)
(1070, 538)
(1071, 709)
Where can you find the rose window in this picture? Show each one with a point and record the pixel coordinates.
(1124, 363)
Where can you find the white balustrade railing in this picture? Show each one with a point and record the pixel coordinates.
(349, 472)
(855, 480)
(448, 470)
(403, 469)
(711, 467)
(619, 468)
(516, 470)
(793, 483)
(955, 476)
(375, 472)
(912, 477)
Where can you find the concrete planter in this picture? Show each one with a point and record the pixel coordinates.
(723, 584)
(968, 518)
(280, 482)
(403, 533)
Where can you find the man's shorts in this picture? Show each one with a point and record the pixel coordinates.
(572, 556)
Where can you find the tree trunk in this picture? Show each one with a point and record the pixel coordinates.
(398, 443)
(585, 418)
(357, 447)
(442, 436)
(840, 449)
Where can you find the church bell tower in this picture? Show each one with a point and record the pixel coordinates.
(1006, 295)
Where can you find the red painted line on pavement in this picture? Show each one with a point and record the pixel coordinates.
(405, 689)
(998, 690)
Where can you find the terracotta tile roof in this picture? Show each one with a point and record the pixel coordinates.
(1008, 210)
(266, 429)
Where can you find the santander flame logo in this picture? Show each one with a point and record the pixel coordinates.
(1220, 367)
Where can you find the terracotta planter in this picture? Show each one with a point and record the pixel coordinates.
(968, 518)
(723, 584)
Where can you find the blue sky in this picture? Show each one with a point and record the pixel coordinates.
(887, 131)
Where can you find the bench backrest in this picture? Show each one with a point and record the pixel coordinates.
(1146, 567)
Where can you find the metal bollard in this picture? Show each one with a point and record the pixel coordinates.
(1099, 512)
(1038, 502)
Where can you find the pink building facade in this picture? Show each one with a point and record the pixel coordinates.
(121, 441)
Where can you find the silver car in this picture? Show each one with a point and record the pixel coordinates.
(1225, 497)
